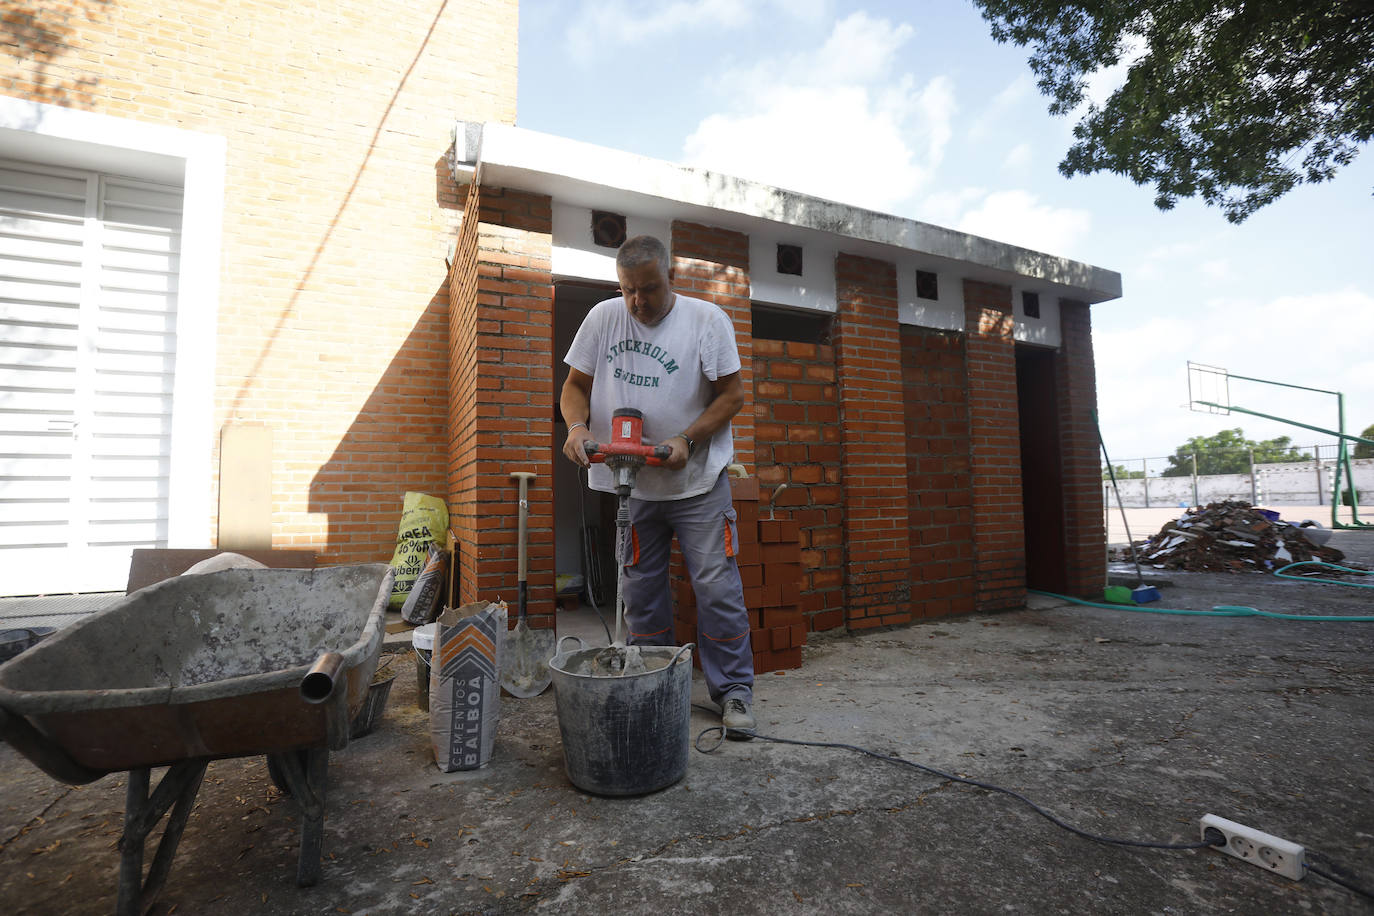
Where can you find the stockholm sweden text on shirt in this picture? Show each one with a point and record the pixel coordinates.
(639, 347)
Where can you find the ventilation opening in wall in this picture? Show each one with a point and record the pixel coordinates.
(773, 323)
(927, 285)
(790, 260)
(608, 229)
(1030, 304)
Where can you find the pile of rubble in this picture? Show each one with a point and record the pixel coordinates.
(1233, 536)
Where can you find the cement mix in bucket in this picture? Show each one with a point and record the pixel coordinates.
(617, 661)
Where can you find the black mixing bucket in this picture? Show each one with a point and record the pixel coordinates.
(626, 734)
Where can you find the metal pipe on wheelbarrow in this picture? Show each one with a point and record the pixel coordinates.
(318, 684)
(318, 688)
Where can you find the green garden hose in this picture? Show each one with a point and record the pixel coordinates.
(1220, 610)
(1363, 572)
(1236, 610)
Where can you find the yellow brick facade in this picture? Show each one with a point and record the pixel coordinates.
(338, 213)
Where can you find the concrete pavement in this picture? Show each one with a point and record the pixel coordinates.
(1121, 723)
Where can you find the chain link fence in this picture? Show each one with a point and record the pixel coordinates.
(1305, 482)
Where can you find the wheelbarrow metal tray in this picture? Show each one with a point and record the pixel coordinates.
(203, 666)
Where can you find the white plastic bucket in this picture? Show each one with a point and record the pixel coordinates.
(422, 637)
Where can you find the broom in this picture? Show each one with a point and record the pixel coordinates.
(1142, 593)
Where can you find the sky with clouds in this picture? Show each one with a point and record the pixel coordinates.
(914, 110)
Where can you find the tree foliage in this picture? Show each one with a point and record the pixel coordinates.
(1121, 473)
(1361, 450)
(1234, 102)
(1228, 452)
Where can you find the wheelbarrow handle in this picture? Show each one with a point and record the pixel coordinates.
(318, 683)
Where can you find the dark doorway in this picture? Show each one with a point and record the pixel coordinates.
(1042, 482)
(584, 520)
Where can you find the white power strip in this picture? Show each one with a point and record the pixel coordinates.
(1261, 849)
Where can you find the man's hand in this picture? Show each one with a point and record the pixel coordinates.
(575, 401)
(678, 459)
(572, 447)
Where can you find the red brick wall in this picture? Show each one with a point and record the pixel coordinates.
(713, 264)
(999, 528)
(797, 442)
(500, 390)
(939, 503)
(462, 407)
(1085, 537)
(868, 362)
(338, 211)
(769, 559)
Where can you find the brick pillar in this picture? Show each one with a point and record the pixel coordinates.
(797, 443)
(935, 383)
(500, 395)
(873, 429)
(713, 264)
(995, 447)
(1085, 540)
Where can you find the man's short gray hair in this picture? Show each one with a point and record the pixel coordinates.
(641, 250)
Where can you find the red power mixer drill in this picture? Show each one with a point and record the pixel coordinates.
(623, 456)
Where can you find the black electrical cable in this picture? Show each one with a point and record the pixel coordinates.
(1215, 837)
(1348, 885)
(593, 594)
(950, 776)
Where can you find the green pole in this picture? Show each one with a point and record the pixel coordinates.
(1268, 416)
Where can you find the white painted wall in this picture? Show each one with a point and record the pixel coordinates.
(814, 289)
(576, 257)
(1043, 330)
(1296, 484)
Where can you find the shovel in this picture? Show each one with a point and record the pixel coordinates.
(525, 667)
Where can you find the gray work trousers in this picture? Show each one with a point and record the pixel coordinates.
(707, 535)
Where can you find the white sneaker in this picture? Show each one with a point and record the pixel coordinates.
(737, 718)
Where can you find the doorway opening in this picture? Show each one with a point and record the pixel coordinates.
(584, 519)
(1042, 484)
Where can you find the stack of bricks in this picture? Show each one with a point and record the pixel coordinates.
(797, 443)
(770, 567)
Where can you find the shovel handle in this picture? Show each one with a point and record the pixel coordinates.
(524, 477)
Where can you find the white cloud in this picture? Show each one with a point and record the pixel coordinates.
(858, 154)
(859, 50)
(1017, 158)
(1019, 218)
(1316, 340)
(943, 208)
(834, 122)
(601, 24)
(1102, 83)
(1014, 98)
(1215, 270)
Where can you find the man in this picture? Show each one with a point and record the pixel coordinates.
(673, 358)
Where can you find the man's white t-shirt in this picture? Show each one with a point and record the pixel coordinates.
(665, 372)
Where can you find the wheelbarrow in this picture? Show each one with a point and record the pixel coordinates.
(197, 668)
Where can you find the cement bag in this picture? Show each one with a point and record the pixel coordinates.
(423, 601)
(464, 685)
(424, 520)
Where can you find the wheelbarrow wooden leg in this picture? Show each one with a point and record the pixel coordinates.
(306, 774)
(178, 787)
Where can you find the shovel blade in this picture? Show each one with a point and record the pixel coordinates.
(525, 661)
